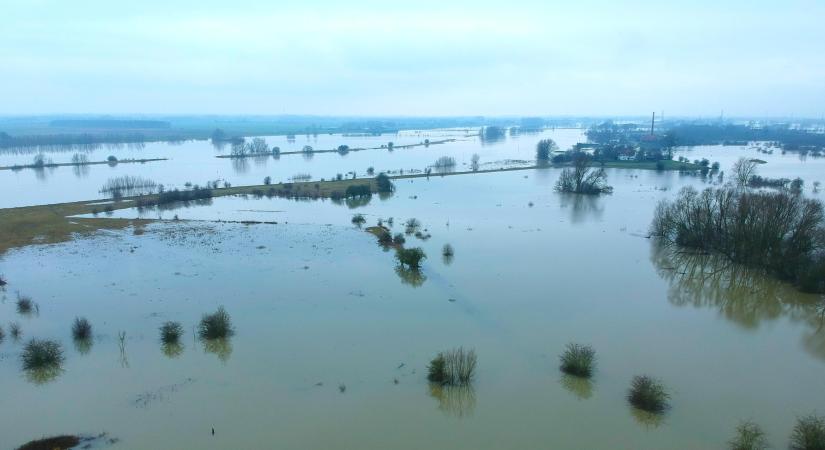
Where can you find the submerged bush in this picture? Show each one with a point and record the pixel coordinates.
(808, 433)
(447, 250)
(2, 335)
(358, 219)
(411, 257)
(170, 332)
(25, 305)
(453, 368)
(41, 354)
(14, 331)
(81, 328)
(648, 394)
(216, 325)
(578, 360)
(749, 436)
(399, 239)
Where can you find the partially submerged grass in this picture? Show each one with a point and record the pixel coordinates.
(578, 360)
(808, 433)
(81, 329)
(25, 304)
(170, 332)
(648, 394)
(453, 367)
(749, 436)
(216, 325)
(14, 331)
(42, 360)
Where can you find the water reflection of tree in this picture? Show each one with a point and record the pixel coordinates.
(80, 170)
(240, 165)
(43, 375)
(578, 386)
(582, 207)
(221, 347)
(412, 277)
(742, 295)
(647, 419)
(83, 346)
(172, 349)
(458, 401)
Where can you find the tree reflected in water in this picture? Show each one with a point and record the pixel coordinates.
(221, 347)
(172, 349)
(649, 420)
(744, 296)
(578, 386)
(582, 207)
(412, 277)
(458, 401)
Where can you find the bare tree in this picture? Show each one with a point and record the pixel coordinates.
(474, 162)
(743, 170)
(583, 179)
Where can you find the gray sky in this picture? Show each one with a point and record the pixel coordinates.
(413, 58)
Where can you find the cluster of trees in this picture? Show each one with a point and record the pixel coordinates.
(491, 133)
(781, 232)
(256, 147)
(709, 134)
(581, 178)
(544, 149)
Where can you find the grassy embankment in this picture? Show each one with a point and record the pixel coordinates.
(53, 223)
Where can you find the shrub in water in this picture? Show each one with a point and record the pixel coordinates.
(411, 257)
(170, 332)
(81, 328)
(749, 436)
(454, 367)
(216, 325)
(808, 433)
(648, 394)
(24, 304)
(358, 219)
(399, 239)
(578, 360)
(15, 331)
(42, 354)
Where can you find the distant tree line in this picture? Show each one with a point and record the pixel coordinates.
(709, 134)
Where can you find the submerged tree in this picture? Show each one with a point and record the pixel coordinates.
(743, 170)
(583, 179)
(544, 148)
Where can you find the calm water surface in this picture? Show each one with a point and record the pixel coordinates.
(318, 304)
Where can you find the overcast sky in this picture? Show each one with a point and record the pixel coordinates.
(413, 57)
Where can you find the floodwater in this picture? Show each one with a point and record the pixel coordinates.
(318, 305)
(195, 162)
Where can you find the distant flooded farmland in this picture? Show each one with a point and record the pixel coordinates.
(332, 340)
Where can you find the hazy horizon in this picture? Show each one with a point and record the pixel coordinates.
(369, 59)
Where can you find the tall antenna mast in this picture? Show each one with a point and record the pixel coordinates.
(652, 120)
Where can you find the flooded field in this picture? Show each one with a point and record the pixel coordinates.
(332, 340)
(195, 161)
